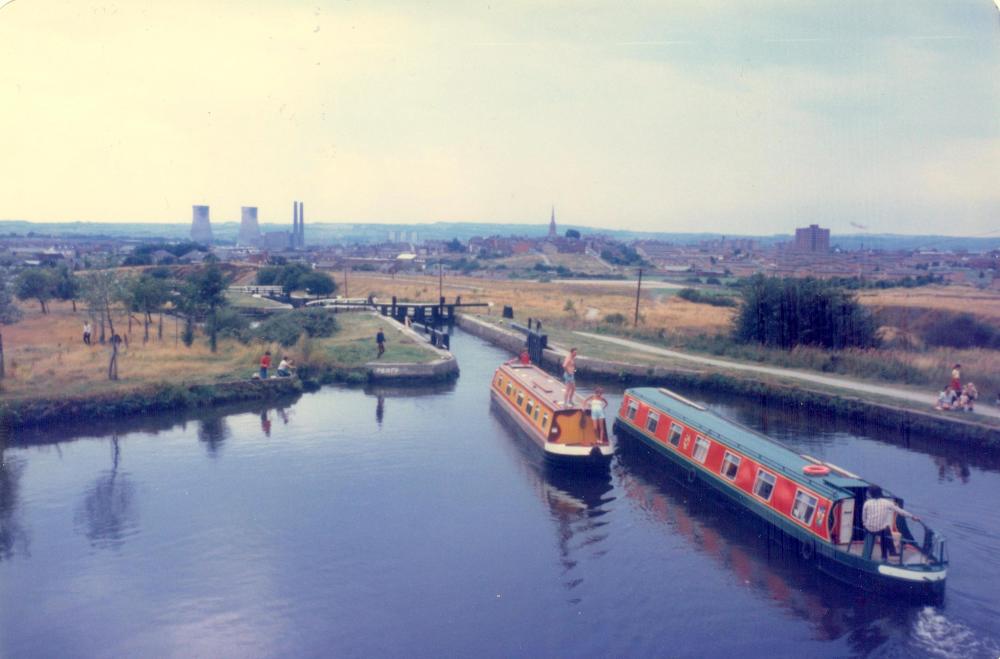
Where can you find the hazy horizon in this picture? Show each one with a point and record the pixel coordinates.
(681, 117)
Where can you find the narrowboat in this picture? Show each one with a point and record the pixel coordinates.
(815, 504)
(533, 399)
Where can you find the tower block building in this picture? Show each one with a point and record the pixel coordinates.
(298, 237)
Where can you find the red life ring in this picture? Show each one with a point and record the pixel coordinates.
(815, 470)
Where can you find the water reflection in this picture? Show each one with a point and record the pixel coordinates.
(576, 501)
(107, 514)
(13, 537)
(379, 409)
(214, 431)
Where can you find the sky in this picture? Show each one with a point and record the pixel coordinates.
(680, 115)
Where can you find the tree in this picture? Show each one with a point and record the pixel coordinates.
(67, 287)
(317, 283)
(208, 289)
(9, 314)
(101, 289)
(36, 284)
(572, 233)
(788, 312)
(146, 295)
(455, 245)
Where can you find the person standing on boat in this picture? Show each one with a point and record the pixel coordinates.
(597, 403)
(569, 377)
(876, 515)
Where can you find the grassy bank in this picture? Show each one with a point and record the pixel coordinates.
(51, 374)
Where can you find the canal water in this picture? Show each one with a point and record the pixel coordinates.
(392, 523)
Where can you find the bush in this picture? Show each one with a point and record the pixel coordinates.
(696, 296)
(785, 313)
(615, 319)
(286, 328)
(961, 331)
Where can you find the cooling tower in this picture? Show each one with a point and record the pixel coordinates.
(201, 226)
(249, 235)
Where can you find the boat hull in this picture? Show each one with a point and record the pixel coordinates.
(847, 568)
(556, 454)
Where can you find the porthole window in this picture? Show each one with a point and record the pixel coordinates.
(675, 434)
(804, 507)
(764, 485)
(731, 465)
(701, 449)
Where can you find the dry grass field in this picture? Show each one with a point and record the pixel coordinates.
(45, 356)
(956, 299)
(576, 306)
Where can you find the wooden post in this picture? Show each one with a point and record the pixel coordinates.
(345, 281)
(1, 357)
(638, 290)
(440, 281)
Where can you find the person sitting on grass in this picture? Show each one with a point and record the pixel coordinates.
(285, 367)
(970, 394)
(946, 399)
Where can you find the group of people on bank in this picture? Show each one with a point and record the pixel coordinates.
(957, 396)
(286, 367)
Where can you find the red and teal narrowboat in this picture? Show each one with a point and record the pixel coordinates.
(815, 504)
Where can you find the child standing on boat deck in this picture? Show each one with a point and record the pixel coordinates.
(597, 403)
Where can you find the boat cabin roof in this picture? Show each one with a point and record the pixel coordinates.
(770, 453)
(539, 384)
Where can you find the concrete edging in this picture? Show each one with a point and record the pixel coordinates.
(443, 368)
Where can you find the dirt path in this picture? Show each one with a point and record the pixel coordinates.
(983, 408)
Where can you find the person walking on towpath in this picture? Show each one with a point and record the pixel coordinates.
(876, 516)
(380, 342)
(956, 378)
(265, 363)
(569, 377)
(86, 333)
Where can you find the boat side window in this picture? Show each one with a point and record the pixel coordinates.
(633, 409)
(700, 449)
(651, 420)
(545, 419)
(499, 381)
(529, 406)
(804, 507)
(520, 398)
(675, 434)
(764, 485)
(537, 407)
(731, 465)
(510, 387)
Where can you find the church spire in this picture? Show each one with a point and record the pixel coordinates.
(552, 224)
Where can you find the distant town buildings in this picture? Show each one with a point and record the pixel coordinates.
(201, 226)
(812, 239)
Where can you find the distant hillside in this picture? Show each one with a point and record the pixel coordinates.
(318, 233)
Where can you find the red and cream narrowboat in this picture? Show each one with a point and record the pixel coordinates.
(814, 504)
(533, 399)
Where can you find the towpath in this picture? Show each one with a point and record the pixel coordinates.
(984, 407)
